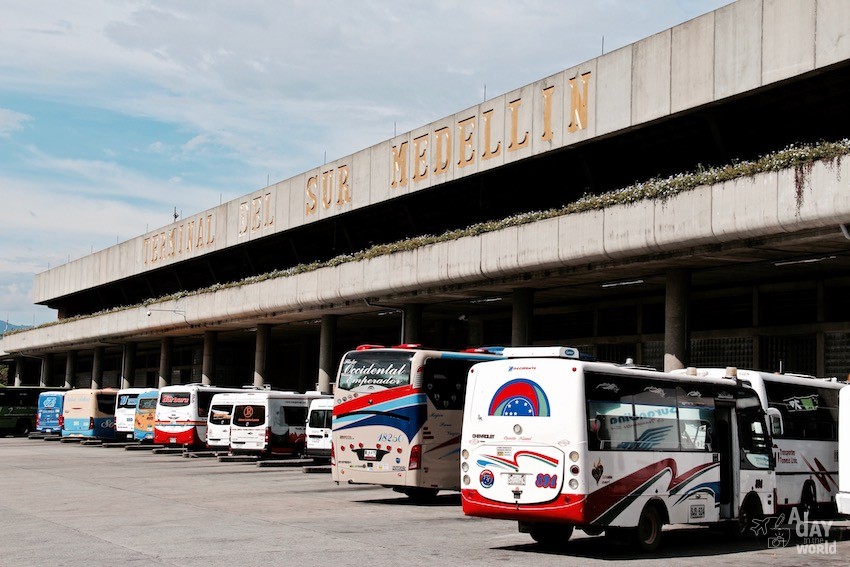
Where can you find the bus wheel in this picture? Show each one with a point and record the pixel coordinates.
(808, 502)
(23, 427)
(592, 530)
(750, 511)
(551, 535)
(648, 532)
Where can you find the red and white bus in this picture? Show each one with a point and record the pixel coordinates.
(397, 417)
(555, 443)
(181, 413)
(804, 425)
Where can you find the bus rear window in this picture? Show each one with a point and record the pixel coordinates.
(220, 415)
(106, 403)
(174, 399)
(249, 416)
(372, 371)
(127, 401)
(320, 418)
(147, 403)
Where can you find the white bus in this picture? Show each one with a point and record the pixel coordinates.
(270, 423)
(397, 418)
(804, 426)
(125, 411)
(181, 413)
(319, 419)
(219, 419)
(555, 443)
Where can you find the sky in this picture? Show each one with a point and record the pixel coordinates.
(114, 114)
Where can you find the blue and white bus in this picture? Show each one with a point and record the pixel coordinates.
(89, 413)
(48, 417)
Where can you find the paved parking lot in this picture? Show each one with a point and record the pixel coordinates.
(70, 505)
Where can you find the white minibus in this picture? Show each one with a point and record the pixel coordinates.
(270, 423)
(218, 423)
(319, 419)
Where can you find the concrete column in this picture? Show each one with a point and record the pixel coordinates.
(97, 368)
(46, 371)
(412, 323)
(19, 370)
(71, 369)
(166, 346)
(260, 355)
(475, 331)
(676, 306)
(128, 366)
(327, 368)
(208, 366)
(523, 309)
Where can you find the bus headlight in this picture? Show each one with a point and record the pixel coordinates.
(466, 479)
(518, 429)
(574, 470)
(464, 454)
(464, 466)
(574, 456)
(573, 483)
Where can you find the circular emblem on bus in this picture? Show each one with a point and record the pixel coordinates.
(486, 478)
(520, 398)
(249, 411)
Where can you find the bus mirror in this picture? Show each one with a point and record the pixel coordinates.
(776, 425)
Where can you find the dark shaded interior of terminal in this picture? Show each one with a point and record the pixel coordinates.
(781, 303)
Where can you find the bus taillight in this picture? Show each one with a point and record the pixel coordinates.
(91, 423)
(415, 457)
(268, 435)
(37, 420)
(61, 421)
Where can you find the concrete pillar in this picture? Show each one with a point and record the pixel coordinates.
(305, 364)
(46, 371)
(327, 368)
(523, 309)
(166, 346)
(260, 354)
(128, 366)
(71, 369)
(676, 306)
(412, 323)
(97, 368)
(19, 371)
(208, 366)
(475, 331)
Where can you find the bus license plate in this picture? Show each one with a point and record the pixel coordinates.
(370, 454)
(516, 480)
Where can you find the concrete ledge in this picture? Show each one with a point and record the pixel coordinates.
(142, 447)
(91, 442)
(202, 454)
(317, 469)
(238, 458)
(52, 438)
(35, 436)
(286, 463)
(120, 444)
(169, 451)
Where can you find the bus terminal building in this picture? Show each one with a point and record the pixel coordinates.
(681, 201)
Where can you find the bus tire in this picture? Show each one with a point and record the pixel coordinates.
(551, 535)
(23, 427)
(808, 502)
(648, 531)
(592, 530)
(750, 511)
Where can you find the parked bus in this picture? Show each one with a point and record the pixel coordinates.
(804, 426)
(181, 414)
(319, 418)
(125, 411)
(270, 423)
(145, 415)
(18, 408)
(48, 418)
(397, 417)
(218, 423)
(89, 413)
(555, 443)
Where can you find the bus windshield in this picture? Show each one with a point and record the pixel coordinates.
(174, 399)
(366, 371)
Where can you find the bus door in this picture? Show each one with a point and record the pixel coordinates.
(725, 444)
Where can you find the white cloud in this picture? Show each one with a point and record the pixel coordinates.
(11, 121)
